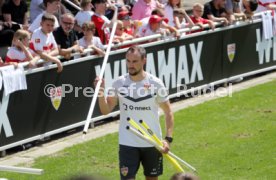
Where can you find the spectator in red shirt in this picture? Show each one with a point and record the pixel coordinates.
(102, 23)
(198, 20)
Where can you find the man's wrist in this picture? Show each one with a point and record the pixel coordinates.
(169, 139)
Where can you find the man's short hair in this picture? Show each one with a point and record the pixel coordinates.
(49, 17)
(45, 2)
(198, 5)
(158, 11)
(69, 15)
(84, 3)
(138, 49)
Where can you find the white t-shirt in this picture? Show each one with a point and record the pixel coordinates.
(139, 101)
(95, 41)
(36, 24)
(263, 3)
(83, 16)
(42, 42)
(14, 54)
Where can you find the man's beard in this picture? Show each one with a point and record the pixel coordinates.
(134, 73)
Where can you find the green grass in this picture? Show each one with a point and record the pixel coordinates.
(227, 138)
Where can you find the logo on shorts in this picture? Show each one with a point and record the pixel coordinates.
(56, 96)
(124, 171)
(231, 50)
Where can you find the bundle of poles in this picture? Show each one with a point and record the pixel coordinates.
(143, 131)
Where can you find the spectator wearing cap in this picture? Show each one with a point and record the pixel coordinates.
(84, 15)
(143, 8)
(91, 41)
(16, 11)
(128, 23)
(102, 23)
(66, 37)
(51, 7)
(215, 11)
(159, 12)
(120, 35)
(198, 20)
(153, 27)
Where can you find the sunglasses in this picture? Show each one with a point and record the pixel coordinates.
(68, 23)
(88, 29)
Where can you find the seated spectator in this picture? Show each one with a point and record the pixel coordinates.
(43, 41)
(215, 11)
(184, 176)
(84, 15)
(36, 8)
(52, 6)
(19, 51)
(143, 8)
(101, 22)
(120, 35)
(266, 5)
(66, 38)
(181, 19)
(198, 20)
(249, 7)
(129, 26)
(170, 6)
(16, 12)
(91, 41)
(153, 27)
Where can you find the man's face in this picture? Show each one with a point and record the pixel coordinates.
(67, 24)
(47, 26)
(100, 7)
(135, 63)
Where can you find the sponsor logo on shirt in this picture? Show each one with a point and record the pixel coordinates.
(136, 108)
(37, 40)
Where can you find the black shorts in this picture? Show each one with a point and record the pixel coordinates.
(130, 158)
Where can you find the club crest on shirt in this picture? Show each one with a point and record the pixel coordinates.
(231, 51)
(124, 171)
(37, 40)
(146, 86)
(56, 96)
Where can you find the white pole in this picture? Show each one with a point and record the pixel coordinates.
(92, 106)
(73, 5)
(22, 170)
(134, 131)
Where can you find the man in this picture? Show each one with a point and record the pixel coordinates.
(139, 95)
(215, 11)
(66, 37)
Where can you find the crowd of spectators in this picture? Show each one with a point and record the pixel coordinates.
(54, 29)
